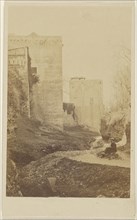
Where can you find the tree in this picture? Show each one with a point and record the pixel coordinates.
(122, 81)
(116, 122)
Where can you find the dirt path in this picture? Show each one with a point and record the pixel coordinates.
(89, 157)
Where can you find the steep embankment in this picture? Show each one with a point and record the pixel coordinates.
(32, 141)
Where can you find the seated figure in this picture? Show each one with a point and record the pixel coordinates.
(112, 149)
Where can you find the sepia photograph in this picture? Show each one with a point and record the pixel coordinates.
(69, 101)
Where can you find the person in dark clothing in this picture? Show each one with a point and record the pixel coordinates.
(112, 149)
(113, 146)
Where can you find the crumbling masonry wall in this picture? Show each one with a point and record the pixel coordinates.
(18, 70)
(18, 86)
(46, 56)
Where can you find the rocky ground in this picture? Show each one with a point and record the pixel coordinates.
(60, 176)
(43, 162)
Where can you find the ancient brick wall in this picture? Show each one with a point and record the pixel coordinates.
(87, 95)
(46, 56)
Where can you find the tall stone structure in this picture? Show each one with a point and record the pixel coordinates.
(18, 64)
(87, 96)
(46, 57)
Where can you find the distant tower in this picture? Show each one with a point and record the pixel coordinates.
(46, 56)
(87, 96)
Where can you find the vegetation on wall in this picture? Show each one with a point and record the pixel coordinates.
(33, 80)
(16, 97)
(33, 76)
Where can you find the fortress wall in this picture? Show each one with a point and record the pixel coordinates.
(18, 61)
(46, 55)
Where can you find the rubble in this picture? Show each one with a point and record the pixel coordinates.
(63, 177)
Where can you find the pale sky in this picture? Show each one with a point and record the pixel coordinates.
(92, 37)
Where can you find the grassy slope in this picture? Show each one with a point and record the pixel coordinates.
(32, 142)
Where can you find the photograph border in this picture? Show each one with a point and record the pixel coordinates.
(70, 208)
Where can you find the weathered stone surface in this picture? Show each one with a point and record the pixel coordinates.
(18, 69)
(88, 99)
(12, 186)
(46, 56)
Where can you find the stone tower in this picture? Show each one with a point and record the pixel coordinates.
(87, 96)
(46, 58)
